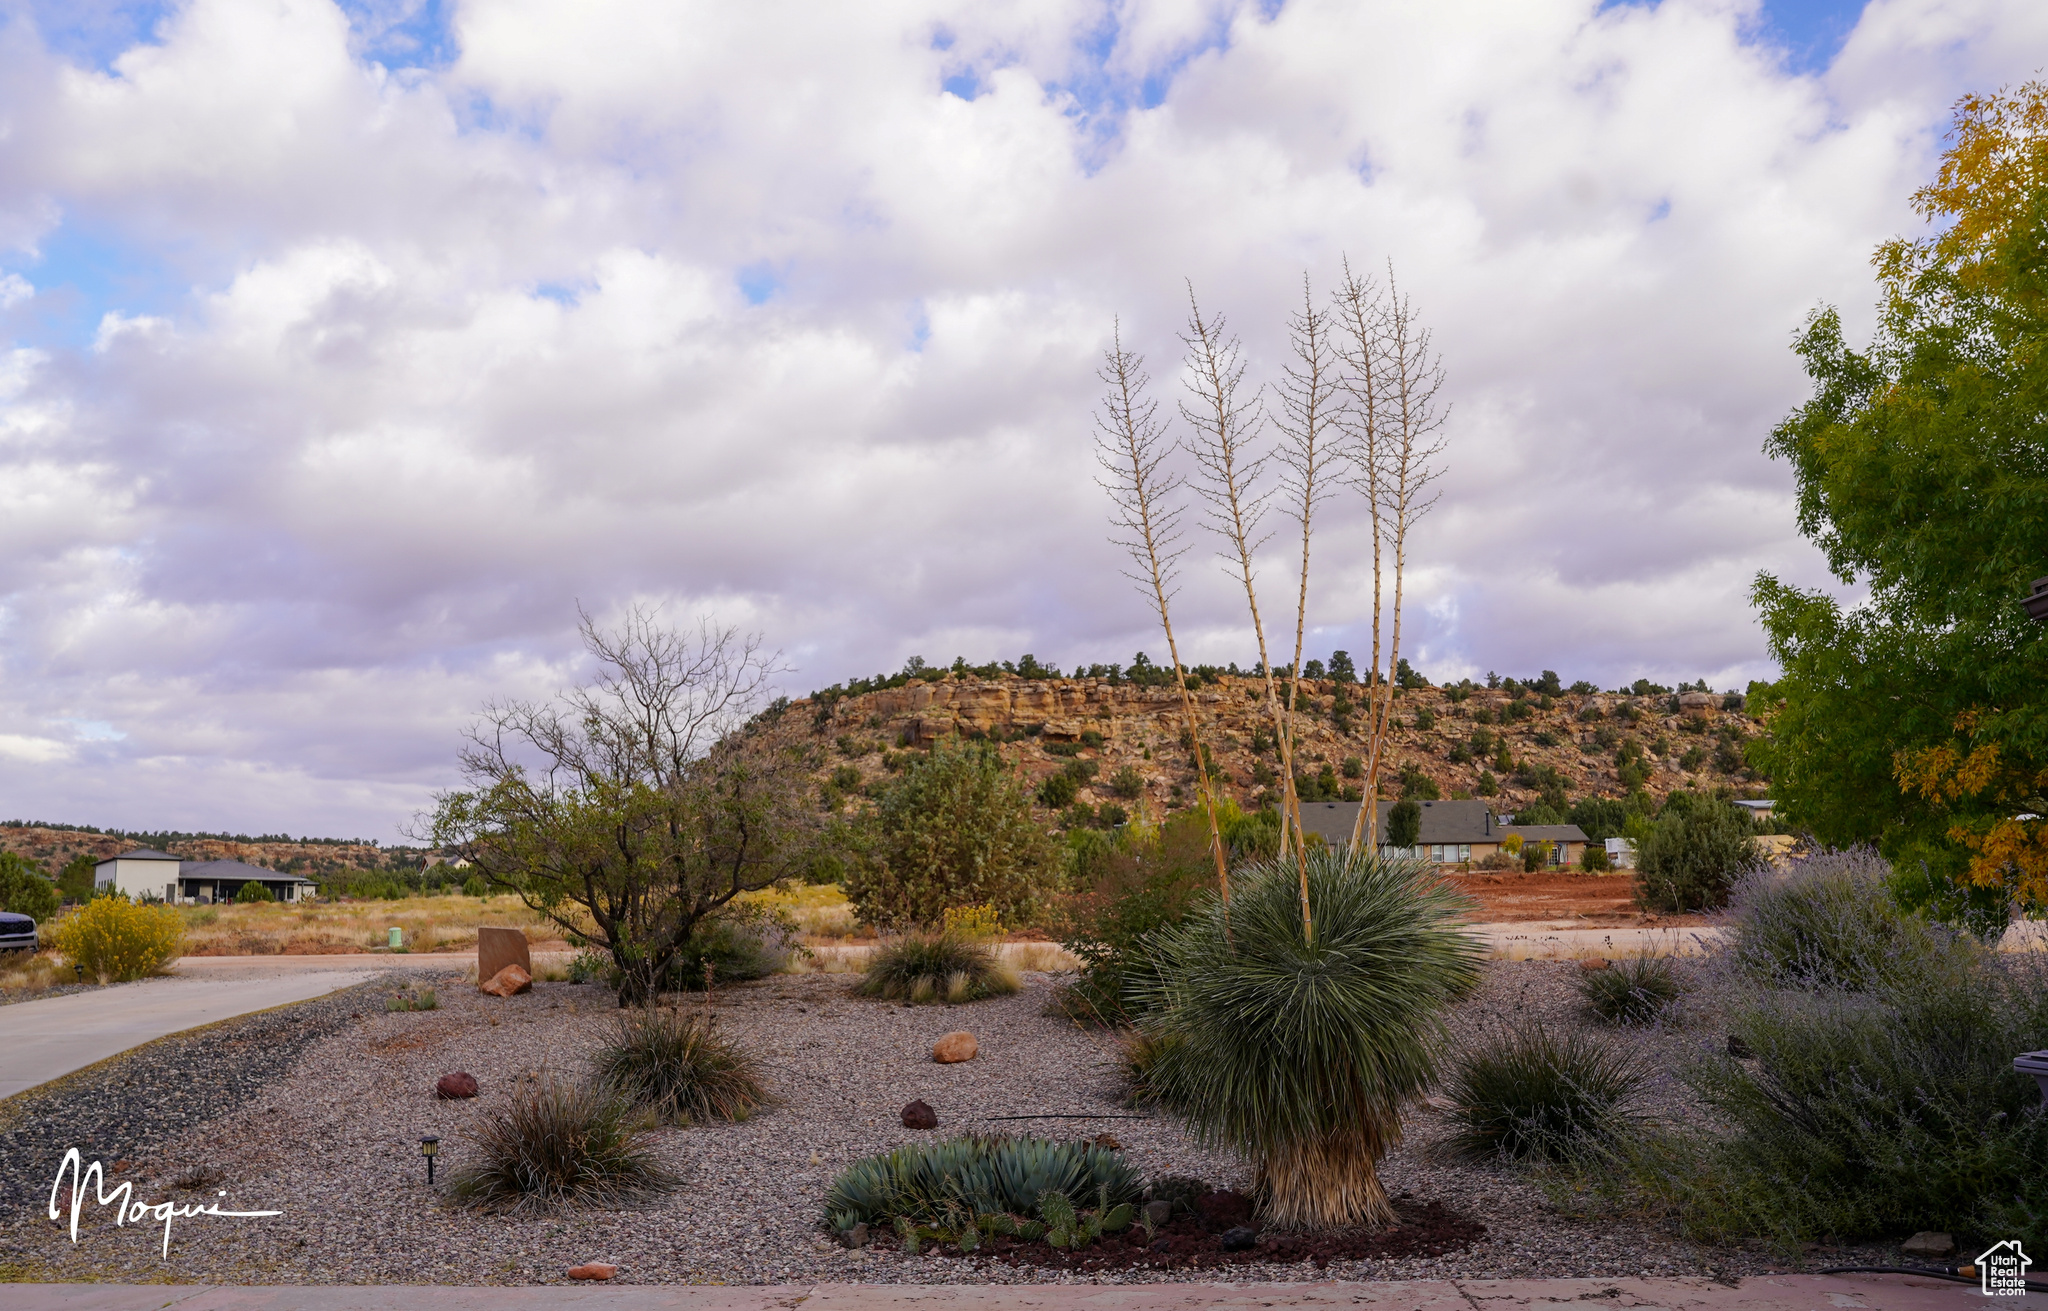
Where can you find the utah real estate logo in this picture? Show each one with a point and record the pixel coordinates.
(2003, 1270)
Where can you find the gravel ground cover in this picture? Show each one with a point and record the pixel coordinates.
(317, 1111)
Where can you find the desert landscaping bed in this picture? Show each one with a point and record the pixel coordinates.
(318, 1110)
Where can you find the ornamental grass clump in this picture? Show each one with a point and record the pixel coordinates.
(560, 1145)
(677, 1066)
(116, 940)
(1532, 1093)
(935, 967)
(1632, 990)
(1299, 1051)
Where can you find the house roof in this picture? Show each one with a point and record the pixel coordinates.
(1442, 821)
(140, 853)
(1547, 832)
(235, 869)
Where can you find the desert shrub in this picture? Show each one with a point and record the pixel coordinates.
(979, 921)
(426, 999)
(952, 1183)
(1536, 855)
(116, 941)
(955, 829)
(1418, 786)
(1110, 815)
(1425, 718)
(1633, 989)
(1404, 824)
(934, 967)
(1692, 858)
(1829, 921)
(24, 890)
(1066, 750)
(1872, 1113)
(557, 1145)
(252, 893)
(474, 886)
(1127, 783)
(1531, 1092)
(1144, 883)
(1057, 791)
(1487, 785)
(1353, 767)
(676, 1065)
(1593, 860)
(1299, 1053)
(738, 942)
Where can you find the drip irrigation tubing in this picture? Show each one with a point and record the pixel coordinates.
(1954, 1275)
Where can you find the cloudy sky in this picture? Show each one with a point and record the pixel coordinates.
(346, 349)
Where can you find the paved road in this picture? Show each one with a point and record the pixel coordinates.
(50, 1038)
(1764, 1293)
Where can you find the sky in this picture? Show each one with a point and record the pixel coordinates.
(347, 350)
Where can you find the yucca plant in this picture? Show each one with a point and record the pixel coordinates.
(1534, 1093)
(1299, 1053)
(677, 1065)
(560, 1144)
(1633, 990)
(946, 966)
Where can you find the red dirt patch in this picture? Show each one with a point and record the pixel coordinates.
(1511, 897)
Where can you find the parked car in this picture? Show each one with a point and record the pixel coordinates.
(17, 932)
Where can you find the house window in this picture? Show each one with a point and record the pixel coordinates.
(1464, 852)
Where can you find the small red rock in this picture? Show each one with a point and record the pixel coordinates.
(956, 1046)
(918, 1115)
(1593, 966)
(454, 1087)
(592, 1270)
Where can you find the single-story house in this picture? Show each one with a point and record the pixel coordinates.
(1452, 832)
(1759, 809)
(158, 876)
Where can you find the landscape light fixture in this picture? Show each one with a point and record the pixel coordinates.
(2036, 601)
(430, 1147)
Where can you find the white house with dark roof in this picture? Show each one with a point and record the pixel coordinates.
(158, 876)
(1452, 832)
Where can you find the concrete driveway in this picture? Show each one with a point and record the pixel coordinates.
(50, 1038)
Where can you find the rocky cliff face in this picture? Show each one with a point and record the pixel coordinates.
(1592, 745)
(52, 848)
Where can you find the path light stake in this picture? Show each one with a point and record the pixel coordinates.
(430, 1147)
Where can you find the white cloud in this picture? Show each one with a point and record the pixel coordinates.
(400, 367)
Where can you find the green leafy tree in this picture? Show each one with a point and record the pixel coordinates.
(955, 829)
(631, 808)
(24, 889)
(1919, 720)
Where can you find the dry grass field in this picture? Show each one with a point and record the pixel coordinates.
(324, 928)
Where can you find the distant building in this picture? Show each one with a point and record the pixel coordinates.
(1760, 809)
(1453, 833)
(143, 874)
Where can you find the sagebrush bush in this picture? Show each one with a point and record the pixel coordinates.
(1871, 1113)
(1300, 1053)
(739, 943)
(1537, 1093)
(1633, 989)
(116, 940)
(936, 967)
(679, 1067)
(936, 1183)
(558, 1145)
(1829, 921)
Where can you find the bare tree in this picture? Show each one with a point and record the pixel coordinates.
(627, 810)
(1311, 406)
(1394, 379)
(1226, 430)
(1131, 445)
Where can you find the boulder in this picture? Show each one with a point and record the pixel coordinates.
(592, 1270)
(1928, 1243)
(1241, 1239)
(955, 1047)
(1593, 966)
(1158, 1212)
(917, 1115)
(496, 948)
(508, 982)
(1697, 700)
(455, 1087)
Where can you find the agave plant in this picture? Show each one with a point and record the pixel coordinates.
(1298, 1053)
(945, 1188)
